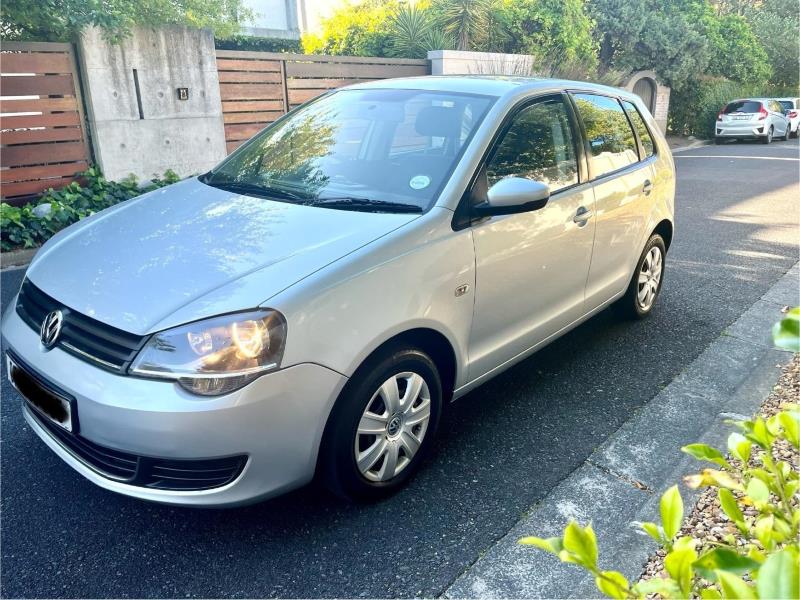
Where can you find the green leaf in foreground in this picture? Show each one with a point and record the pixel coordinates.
(612, 583)
(786, 332)
(779, 577)
(725, 559)
(671, 512)
(734, 587)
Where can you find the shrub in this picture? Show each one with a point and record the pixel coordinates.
(764, 562)
(29, 226)
(259, 44)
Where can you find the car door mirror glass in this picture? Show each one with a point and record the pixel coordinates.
(514, 195)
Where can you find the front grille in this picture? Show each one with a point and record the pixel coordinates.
(145, 471)
(82, 336)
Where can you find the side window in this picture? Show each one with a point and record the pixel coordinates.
(538, 145)
(640, 127)
(612, 144)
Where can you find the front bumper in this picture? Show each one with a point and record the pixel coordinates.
(277, 421)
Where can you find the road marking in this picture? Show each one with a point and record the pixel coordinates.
(734, 156)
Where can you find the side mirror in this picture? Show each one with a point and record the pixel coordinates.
(514, 195)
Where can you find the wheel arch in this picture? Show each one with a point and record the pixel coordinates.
(431, 341)
(665, 230)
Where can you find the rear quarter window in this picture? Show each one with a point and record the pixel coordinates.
(640, 127)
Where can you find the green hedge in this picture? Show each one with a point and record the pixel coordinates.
(693, 109)
(27, 226)
(259, 44)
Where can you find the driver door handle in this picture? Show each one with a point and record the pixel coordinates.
(582, 216)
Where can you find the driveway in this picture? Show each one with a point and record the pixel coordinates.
(501, 449)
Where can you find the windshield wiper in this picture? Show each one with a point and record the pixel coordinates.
(252, 189)
(365, 204)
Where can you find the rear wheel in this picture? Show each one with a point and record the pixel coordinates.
(645, 285)
(718, 141)
(382, 425)
(768, 138)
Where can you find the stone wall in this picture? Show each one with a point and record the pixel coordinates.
(139, 122)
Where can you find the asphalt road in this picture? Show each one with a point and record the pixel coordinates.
(500, 451)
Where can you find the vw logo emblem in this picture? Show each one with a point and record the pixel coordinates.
(51, 328)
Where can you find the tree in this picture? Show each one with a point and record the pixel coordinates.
(667, 36)
(554, 30)
(414, 33)
(736, 53)
(62, 20)
(355, 30)
(775, 24)
(466, 20)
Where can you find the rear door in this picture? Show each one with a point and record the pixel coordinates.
(622, 185)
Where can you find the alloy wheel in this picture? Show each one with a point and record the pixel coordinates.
(649, 278)
(392, 426)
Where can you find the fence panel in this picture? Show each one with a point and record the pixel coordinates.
(259, 87)
(43, 137)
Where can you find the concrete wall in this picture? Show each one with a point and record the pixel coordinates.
(459, 62)
(186, 136)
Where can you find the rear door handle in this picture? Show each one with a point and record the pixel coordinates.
(582, 216)
(647, 187)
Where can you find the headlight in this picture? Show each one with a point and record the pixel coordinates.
(215, 356)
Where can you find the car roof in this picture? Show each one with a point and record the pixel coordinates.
(489, 85)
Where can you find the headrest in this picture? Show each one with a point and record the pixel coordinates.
(438, 121)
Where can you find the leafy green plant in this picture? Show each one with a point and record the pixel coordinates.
(33, 224)
(786, 332)
(256, 43)
(764, 562)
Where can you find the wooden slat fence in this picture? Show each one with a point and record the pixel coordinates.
(258, 87)
(43, 135)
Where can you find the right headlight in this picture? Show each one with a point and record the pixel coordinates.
(215, 356)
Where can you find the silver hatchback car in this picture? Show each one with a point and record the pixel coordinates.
(310, 306)
(756, 118)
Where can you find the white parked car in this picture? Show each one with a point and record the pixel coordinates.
(791, 106)
(312, 304)
(753, 118)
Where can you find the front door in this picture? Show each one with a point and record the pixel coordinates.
(531, 268)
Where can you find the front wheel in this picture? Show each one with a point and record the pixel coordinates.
(645, 285)
(382, 425)
(786, 134)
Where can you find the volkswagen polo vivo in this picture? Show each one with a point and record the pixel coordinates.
(309, 306)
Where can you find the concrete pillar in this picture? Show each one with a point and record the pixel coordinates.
(153, 101)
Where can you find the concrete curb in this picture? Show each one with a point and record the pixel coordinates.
(622, 481)
(692, 146)
(17, 258)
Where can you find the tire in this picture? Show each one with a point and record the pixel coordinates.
(785, 136)
(793, 133)
(397, 431)
(718, 141)
(768, 138)
(631, 305)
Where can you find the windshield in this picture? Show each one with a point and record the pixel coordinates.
(376, 149)
(745, 106)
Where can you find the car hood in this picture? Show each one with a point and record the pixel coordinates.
(191, 251)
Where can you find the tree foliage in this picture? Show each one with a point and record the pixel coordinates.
(776, 25)
(355, 30)
(62, 20)
(548, 28)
